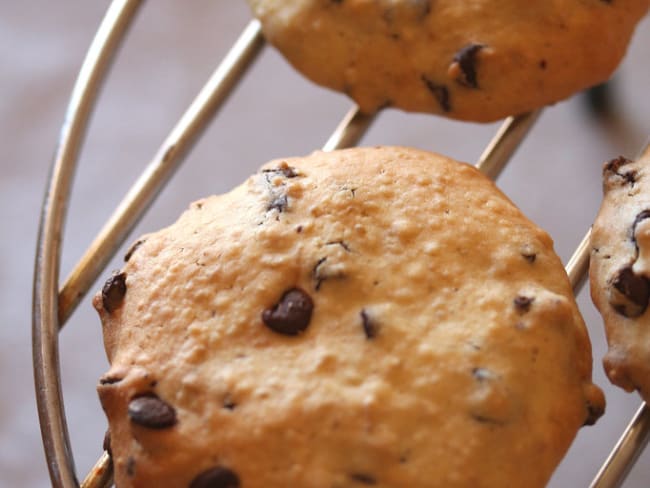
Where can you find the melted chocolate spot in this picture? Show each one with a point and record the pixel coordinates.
(467, 59)
(151, 412)
(370, 327)
(218, 477)
(113, 291)
(134, 247)
(291, 315)
(440, 93)
(635, 291)
(522, 303)
(363, 478)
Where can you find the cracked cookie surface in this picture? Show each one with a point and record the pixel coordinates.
(620, 271)
(395, 322)
(480, 60)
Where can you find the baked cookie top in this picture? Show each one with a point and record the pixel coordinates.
(481, 60)
(619, 271)
(374, 316)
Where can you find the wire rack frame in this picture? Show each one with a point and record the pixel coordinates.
(53, 306)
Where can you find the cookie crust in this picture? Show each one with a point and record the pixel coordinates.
(478, 61)
(620, 271)
(374, 316)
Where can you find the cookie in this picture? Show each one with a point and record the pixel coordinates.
(369, 317)
(476, 61)
(619, 271)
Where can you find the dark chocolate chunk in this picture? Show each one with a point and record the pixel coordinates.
(522, 303)
(284, 169)
(279, 203)
(641, 216)
(363, 478)
(151, 412)
(106, 445)
(291, 315)
(440, 93)
(613, 168)
(482, 374)
(633, 293)
(229, 404)
(317, 273)
(323, 271)
(467, 59)
(217, 477)
(132, 249)
(130, 466)
(113, 291)
(370, 327)
(110, 380)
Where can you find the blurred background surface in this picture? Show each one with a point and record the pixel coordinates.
(172, 49)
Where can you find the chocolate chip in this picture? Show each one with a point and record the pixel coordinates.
(341, 243)
(641, 216)
(133, 248)
(542, 64)
(284, 170)
(151, 412)
(482, 374)
(370, 327)
(466, 59)
(522, 303)
(106, 445)
(363, 478)
(613, 169)
(110, 380)
(279, 202)
(130, 466)
(113, 291)
(291, 315)
(633, 293)
(229, 404)
(440, 93)
(594, 412)
(218, 477)
(487, 420)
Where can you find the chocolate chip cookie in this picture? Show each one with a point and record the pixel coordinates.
(477, 61)
(368, 317)
(620, 271)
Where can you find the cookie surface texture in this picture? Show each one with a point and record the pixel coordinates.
(620, 271)
(480, 60)
(368, 317)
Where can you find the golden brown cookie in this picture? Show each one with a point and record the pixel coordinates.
(479, 60)
(620, 271)
(369, 317)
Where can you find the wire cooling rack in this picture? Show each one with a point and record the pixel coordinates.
(53, 306)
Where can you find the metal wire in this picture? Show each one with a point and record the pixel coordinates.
(51, 310)
(45, 347)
